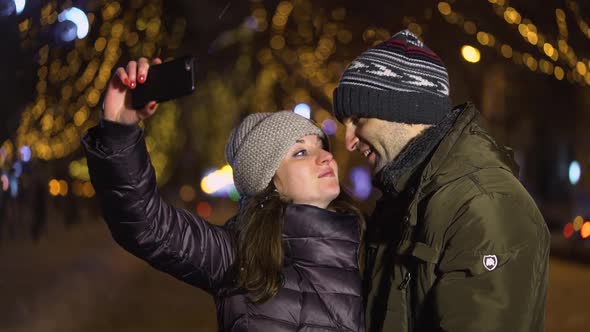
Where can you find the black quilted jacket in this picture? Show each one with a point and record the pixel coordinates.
(322, 285)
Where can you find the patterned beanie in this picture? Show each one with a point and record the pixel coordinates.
(256, 147)
(399, 80)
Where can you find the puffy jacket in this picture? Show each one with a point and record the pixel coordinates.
(456, 243)
(322, 283)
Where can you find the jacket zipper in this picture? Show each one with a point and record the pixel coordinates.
(404, 286)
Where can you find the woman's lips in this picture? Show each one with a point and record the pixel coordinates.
(328, 173)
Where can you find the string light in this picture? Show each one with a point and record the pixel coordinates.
(526, 28)
(564, 52)
(71, 81)
(582, 24)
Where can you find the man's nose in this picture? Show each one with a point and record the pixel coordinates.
(351, 141)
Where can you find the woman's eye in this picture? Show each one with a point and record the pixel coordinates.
(300, 153)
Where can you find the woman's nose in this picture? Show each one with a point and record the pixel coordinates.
(325, 157)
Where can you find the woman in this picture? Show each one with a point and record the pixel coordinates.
(288, 262)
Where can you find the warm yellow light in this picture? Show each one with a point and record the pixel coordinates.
(548, 49)
(581, 67)
(560, 14)
(511, 15)
(63, 187)
(54, 187)
(523, 29)
(531, 63)
(578, 221)
(532, 37)
(88, 189)
(558, 72)
(470, 27)
(187, 193)
(470, 54)
(415, 29)
(506, 51)
(444, 8)
(483, 38)
(277, 42)
(585, 230)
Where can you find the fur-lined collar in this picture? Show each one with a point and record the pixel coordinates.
(395, 176)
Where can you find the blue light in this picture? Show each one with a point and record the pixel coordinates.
(25, 153)
(361, 181)
(78, 17)
(13, 187)
(575, 172)
(20, 5)
(250, 23)
(303, 110)
(18, 169)
(329, 126)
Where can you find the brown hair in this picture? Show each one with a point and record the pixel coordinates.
(260, 248)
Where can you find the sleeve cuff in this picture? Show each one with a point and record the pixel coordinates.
(117, 136)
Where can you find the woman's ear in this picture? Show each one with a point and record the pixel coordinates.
(277, 183)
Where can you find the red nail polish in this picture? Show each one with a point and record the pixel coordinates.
(132, 84)
(141, 78)
(126, 81)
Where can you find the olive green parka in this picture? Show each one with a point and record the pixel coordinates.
(456, 243)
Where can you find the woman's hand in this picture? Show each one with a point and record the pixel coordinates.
(117, 102)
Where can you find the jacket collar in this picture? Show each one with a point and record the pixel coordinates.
(320, 236)
(398, 174)
(458, 146)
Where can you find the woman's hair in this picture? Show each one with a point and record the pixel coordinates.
(260, 247)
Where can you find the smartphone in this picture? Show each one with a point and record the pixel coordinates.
(166, 81)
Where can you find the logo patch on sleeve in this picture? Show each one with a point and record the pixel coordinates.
(490, 262)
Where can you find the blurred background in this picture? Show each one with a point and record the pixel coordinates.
(526, 65)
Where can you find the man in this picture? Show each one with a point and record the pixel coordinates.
(455, 243)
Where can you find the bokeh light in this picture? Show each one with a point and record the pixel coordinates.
(329, 126)
(568, 230)
(578, 221)
(360, 177)
(303, 109)
(575, 172)
(25, 153)
(470, 54)
(19, 6)
(585, 230)
(187, 193)
(78, 17)
(217, 182)
(204, 209)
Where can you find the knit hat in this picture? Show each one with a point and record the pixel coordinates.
(256, 147)
(399, 80)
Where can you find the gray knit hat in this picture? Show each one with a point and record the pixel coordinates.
(256, 147)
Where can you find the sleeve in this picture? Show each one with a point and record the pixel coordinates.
(493, 272)
(172, 240)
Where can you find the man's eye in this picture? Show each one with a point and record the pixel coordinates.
(354, 120)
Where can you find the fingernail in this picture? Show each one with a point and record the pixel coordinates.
(132, 85)
(126, 81)
(141, 78)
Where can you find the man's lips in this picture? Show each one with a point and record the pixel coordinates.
(366, 152)
(327, 173)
